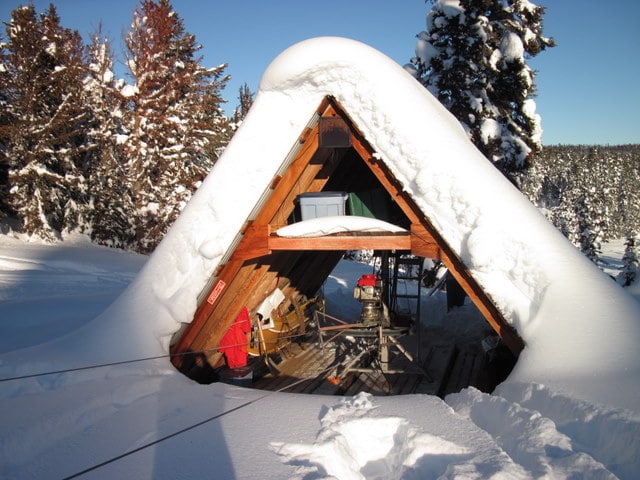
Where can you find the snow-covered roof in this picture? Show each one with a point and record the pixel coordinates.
(566, 310)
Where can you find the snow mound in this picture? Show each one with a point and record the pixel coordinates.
(487, 435)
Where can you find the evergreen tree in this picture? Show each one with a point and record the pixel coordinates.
(629, 271)
(627, 190)
(588, 233)
(175, 118)
(220, 129)
(472, 58)
(42, 130)
(110, 197)
(245, 97)
(5, 123)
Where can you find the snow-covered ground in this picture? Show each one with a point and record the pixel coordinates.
(145, 420)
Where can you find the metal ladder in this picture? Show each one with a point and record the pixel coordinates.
(412, 272)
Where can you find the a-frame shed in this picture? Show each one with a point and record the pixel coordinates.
(331, 154)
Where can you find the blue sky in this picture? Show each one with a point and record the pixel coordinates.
(587, 85)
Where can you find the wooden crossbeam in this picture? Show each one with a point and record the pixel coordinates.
(342, 242)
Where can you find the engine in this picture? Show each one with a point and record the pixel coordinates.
(368, 292)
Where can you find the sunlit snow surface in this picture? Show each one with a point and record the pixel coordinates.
(62, 424)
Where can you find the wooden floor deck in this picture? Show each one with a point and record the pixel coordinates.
(332, 369)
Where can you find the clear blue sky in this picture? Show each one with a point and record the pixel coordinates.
(587, 85)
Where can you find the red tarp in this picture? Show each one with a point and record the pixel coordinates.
(234, 343)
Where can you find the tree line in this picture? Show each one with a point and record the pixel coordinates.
(82, 150)
(591, 194)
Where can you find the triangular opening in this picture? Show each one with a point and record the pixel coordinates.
(261, 266)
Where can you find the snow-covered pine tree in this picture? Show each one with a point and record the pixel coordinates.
(589, 234)
(629, 272)
(472, 57)
(245, 99)
(175, 116)
(576, 214)
(627, 193)
(5, 121)
(43, 124)
(220, 130)
(109, 191)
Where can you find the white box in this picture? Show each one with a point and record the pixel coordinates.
(321, 204)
